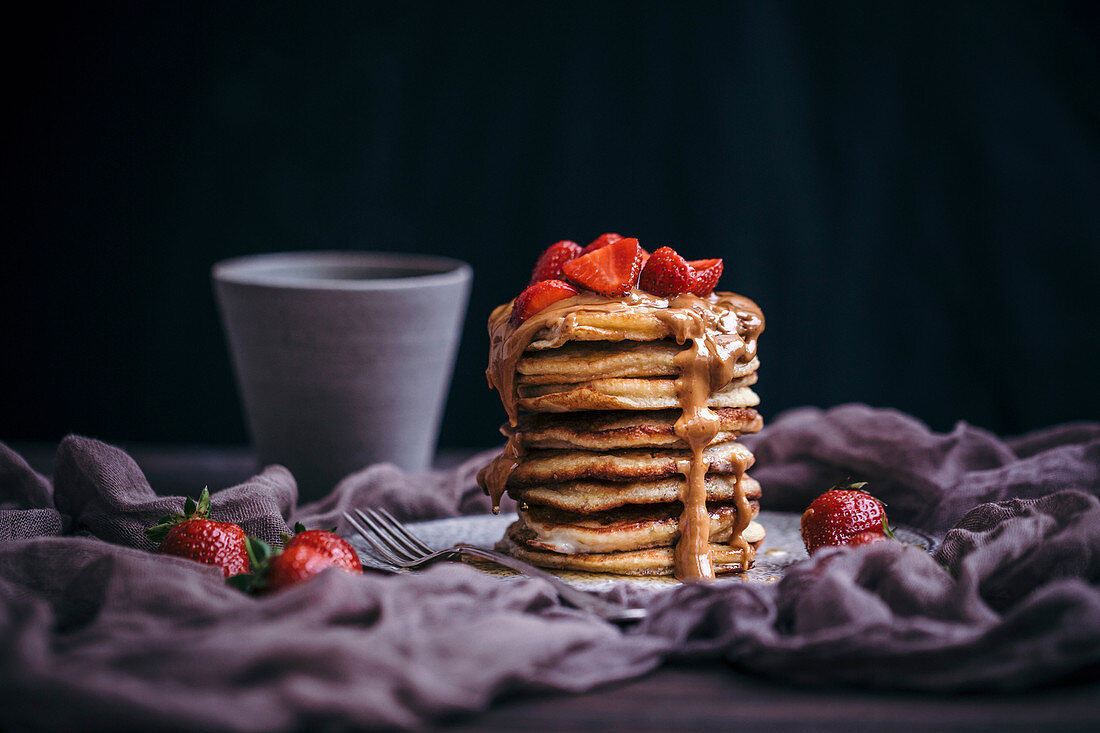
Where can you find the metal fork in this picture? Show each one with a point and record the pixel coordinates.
(399, 547)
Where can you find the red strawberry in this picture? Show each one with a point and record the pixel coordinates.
(193, 536)
(602, 241)
(611, 271)
(707, 273)
(867, 538)
(539, 296)
(667, 274)
(328, 543)
(296, 564)
(550, 262)
(304, 556)
(844, 516)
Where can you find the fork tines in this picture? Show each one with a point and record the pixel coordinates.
(388, 537)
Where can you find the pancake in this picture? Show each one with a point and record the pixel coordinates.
(609, 429)
(585, 497)
(640, 320)
(542, 467)
(618, 530)
(587, 360)
(651, 561)
(654, 393)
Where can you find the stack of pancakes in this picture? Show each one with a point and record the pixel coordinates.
(594, 458)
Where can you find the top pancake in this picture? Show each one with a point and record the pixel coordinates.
(588, 360)
(639, 317)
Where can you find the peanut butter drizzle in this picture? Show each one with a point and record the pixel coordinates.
(719, 332)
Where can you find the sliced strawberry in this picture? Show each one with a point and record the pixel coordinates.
(611, 271)
(602, 241)
(707, 273)
(667, 274)
(539, 296)
(550, 262)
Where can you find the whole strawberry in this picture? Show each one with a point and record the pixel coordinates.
(844, 515)
(195, 536)
(328, 543)
(303, 556)
(296, 564)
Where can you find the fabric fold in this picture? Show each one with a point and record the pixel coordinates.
(94, 626)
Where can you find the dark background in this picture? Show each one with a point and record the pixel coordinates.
(909, 191)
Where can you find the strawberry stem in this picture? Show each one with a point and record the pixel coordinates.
(191, 510)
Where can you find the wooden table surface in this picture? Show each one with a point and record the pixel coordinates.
(711, 696)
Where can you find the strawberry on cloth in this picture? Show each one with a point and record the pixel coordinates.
(193, 535)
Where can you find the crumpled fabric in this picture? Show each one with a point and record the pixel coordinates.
(94, 626)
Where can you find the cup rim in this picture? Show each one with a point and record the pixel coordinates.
(256, 270)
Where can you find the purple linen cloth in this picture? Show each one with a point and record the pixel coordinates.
(96, 628)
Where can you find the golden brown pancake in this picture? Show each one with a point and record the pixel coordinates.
(652, 393)
(582, 361)
(619, 530)
(541, 467)
(585, 497)
(650, 561)
(638, 321)
(602, 430)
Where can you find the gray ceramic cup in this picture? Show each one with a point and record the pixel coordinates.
(343, 359)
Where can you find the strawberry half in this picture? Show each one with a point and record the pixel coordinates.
(707, 273)
(844, 516)
(550, 262)
(539, 296)
(194, 536)
(602, 241)
(611, 271)
(667, 274)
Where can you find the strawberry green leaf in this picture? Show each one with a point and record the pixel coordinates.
(203, 508)
(887, 530)
(158, 532)
(299, 528)
(259, 552)
(243, 582)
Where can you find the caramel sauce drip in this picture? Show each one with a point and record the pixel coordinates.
(495, 476)
(718, 332)
(696, 426)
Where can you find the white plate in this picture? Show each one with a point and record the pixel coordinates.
(782, 548)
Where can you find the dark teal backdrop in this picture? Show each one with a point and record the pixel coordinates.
(909, 190)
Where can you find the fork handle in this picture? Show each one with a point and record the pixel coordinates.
(569, 594)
